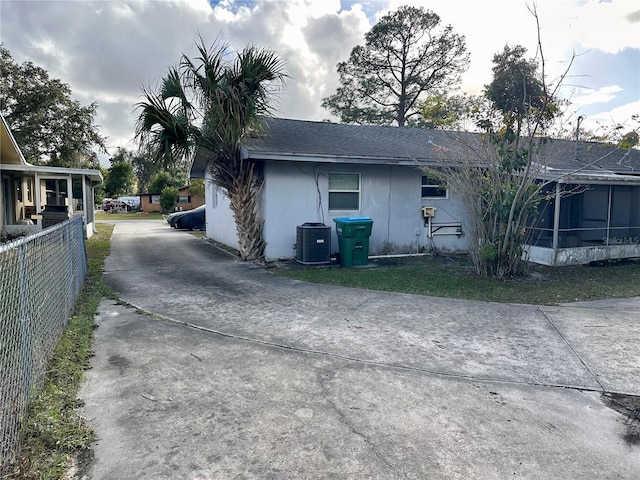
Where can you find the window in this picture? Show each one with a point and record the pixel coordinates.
(55, 191)
(184, 199)
(344, 191)
(155, 199)
(432, 188)
(29, 189)
(19, 189)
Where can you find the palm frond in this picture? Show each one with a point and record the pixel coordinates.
(203, 74)
(226, 97)
(244, 93)
(166, 126)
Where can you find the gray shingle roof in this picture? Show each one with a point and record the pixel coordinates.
(289, 140)
(374, 144)
(324, 139)
(592, 156)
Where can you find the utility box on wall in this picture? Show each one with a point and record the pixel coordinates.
(313, 243)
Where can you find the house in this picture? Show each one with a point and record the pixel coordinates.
(34, 197)
(319, 171)
(150, 202)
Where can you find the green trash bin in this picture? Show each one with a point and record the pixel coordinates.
(353, 240)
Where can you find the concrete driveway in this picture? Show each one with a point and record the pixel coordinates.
(216, 369)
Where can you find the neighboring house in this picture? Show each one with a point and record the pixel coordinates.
(150, 202)
(33, 197)
(318, 171)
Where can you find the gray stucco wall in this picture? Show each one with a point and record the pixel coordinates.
(220, 224)
(296, 193)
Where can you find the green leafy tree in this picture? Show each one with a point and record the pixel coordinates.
(146, 164)
(47, 123)
(121, 155)
(446, 112)
(196, 187)
(518, 92)
(208, 105)
(100, 193)
(179, 177)
(167, 179)
(496, 177)
(120, 180)
(407, 57)
(145, 167)
(159, 182)
(168, 198)
(625, 135)
(629, 140)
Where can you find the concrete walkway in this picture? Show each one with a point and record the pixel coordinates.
(216, 369)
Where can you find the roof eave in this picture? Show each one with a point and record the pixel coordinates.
(94, 175)
(297, 157)
(16, 149)
(595, 178)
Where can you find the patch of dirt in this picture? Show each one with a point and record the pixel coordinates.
(80, 465)
(535, 275)
(450, 262)
(629, 406)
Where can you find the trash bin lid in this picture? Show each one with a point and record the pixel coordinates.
(354, 220)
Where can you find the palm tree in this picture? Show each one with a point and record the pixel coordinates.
(206, 107)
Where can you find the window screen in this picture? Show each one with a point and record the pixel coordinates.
(432, 188)
(344, 191)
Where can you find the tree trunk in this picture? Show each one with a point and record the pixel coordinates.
(244, 195)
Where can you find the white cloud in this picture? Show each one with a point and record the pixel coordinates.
(591, 96)
(622, 115)
(201, 6)
(609, 26)
(566, 27)
(106, 50)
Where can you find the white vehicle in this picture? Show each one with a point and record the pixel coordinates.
(133, 203)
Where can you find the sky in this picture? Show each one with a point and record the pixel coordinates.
(107, 50)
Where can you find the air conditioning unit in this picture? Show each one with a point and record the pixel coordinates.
(428, 212)
(313, 243)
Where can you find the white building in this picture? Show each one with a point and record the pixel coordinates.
(318, 171)
(34, 197)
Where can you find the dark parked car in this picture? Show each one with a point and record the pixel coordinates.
(188, 220)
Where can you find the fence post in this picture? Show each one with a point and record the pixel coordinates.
(25, 330)
(66, 240)
(82, 268)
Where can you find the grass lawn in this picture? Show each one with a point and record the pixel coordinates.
(52, 431)
(453, 276)
(100, 215)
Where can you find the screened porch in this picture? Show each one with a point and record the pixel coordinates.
(582, 223)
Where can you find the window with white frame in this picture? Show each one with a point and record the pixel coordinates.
(433, 188)
(184, 199)
(344, 191)
(155, 199)
(29, 190)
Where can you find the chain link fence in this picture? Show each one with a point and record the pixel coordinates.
(40, 278)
